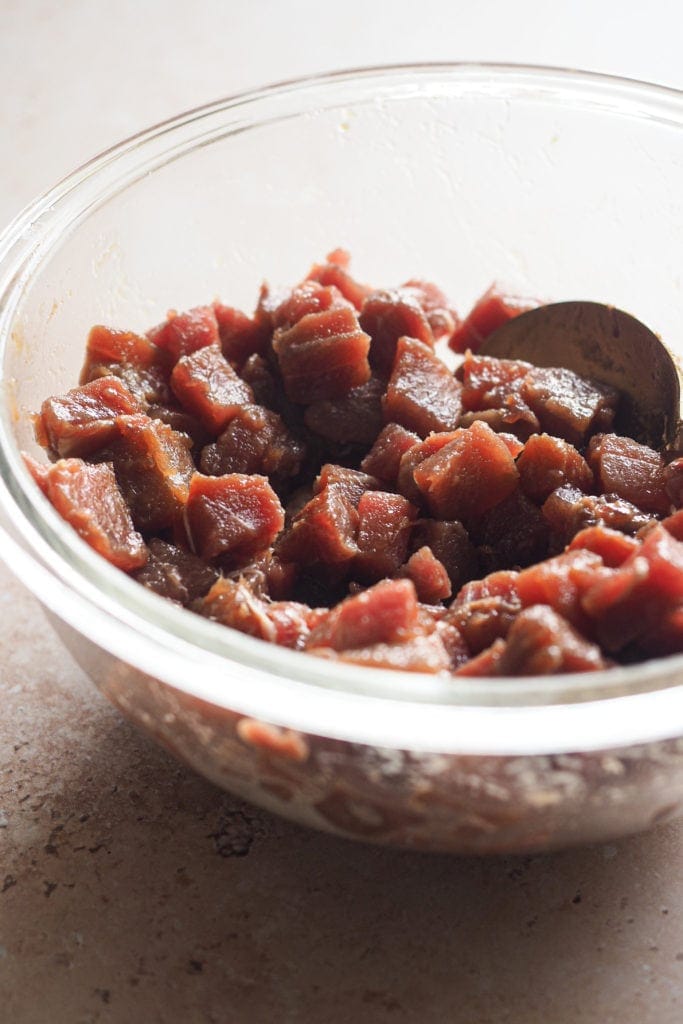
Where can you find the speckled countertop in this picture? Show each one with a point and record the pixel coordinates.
(130, 889)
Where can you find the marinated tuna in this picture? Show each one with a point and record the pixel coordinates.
(316, 474)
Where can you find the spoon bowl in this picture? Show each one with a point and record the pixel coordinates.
(608, 345)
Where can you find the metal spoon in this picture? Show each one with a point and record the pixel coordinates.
(608, 345)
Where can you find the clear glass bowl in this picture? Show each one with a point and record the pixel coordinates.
(556, 183)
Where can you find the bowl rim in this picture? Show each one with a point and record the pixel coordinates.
(494, 717)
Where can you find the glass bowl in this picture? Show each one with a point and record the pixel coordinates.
(556, 183)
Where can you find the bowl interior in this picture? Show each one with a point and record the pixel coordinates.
(555, 184)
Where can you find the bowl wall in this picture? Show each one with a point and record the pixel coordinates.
(555, 184)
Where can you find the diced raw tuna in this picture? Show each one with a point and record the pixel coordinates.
(266, 575)
(384, 522)
(207, 386)
(631, 470)
(547, 463)
(384, 458)
(241, 336)
(335, 271)
(568, 511)
(387, 316)
(354, 419)
(183, 333)
(88, 498)
(613, 547)
(413, 457)
(418, 654)
(38, 470)
(484, 610)
(233, 603)
(562, 582)
(489, 312)
(234, 515)
(673, 482)
(665, 637)
(513, 534)
(323, 355)
(82, 421)
(308, 297)
(514, 445)
(107, 346)
(175, 573)
(541, 642)
(183, 423)
(568, 405)
(429, 576)
(488, 382)
(255, 441)
(674, 524)
(325, 530)
(422, 394)
(149, 386)
(261, 379)
(485, 663)
(384, 614)
(631, 600)
(153, 467)
(440, 314)
(351, 483)
(454, 642)
(451, 545)
(474, 472)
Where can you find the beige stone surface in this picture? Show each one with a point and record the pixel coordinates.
(133, 891)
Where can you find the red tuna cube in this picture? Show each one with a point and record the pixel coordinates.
(153, 467)
(354, 419)
(631, 470)
(631, 600)
(562, 582)
(541, 642)
(387, 316)
(83, 420)
(384, 614)
(322, 356)
(469, 476)
(325, 530)
(183, 333)
(308, 297)
(106, 346)
(413, 457)
(255, 441)
(384, 458)
(611, 545)
(335, 271)
(484, 610)
(88, 498)
(207, 386)
(422, 394)
(421, 653)
(241, 336)
(451, 545)
(384, 522)
(174, 573)
(429, 576)
(569, 405)
(489, 312)
(546, 463)
(351, 483)
(234, 515)
(441, 316)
